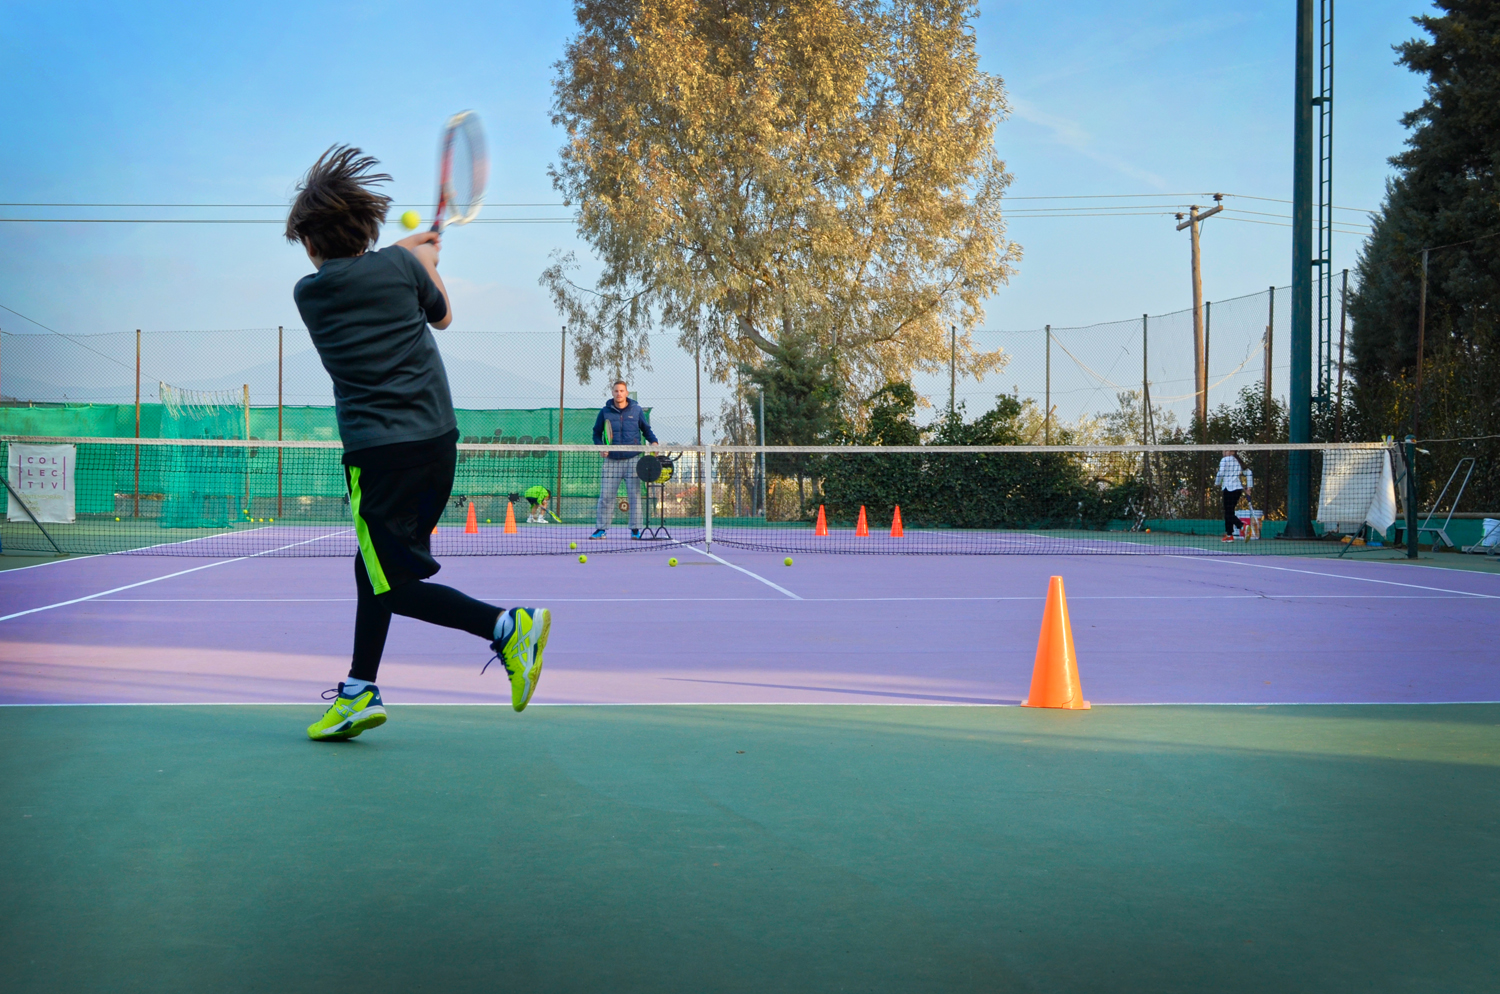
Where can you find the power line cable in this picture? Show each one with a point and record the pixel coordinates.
(68, 338)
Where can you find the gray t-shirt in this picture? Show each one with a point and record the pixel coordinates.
(368, 316)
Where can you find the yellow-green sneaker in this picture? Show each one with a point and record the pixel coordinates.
(520, 652)
(348, 716)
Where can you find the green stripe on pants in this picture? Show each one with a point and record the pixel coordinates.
(362, 532)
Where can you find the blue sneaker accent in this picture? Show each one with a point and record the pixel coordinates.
(598, 534)
(635, 533)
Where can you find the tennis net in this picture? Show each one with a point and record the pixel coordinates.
(224, 497)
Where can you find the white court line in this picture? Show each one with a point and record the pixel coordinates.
(1345, 576)
(132, 586)
(773, 586)
(54, 562)
(808, 600)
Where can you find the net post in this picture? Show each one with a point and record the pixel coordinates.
(137, 422)
(280, 353)
(1411, 497)
(707, 477)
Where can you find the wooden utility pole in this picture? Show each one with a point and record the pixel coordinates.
(137, 422)
(952, 367)
(1416, 412)
(1265, 400)
(1047, 401)
(1338, 412)
(562, 382)
(1200, 375)
(280, 410)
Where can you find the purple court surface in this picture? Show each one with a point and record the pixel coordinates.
(744, 628)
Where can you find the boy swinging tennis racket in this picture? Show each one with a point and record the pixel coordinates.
(368, 314)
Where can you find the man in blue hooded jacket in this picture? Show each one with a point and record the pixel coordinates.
(627, 424)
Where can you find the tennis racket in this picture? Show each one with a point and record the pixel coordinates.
(463, 170)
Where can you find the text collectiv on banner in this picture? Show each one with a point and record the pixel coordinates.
(43, 476)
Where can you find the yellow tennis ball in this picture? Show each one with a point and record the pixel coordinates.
(410, 220)
(583, 559)
(117, 519)
(572, 545)
(670, 562)
(788, 560)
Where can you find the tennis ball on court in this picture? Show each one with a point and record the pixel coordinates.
(117, 519)
(487, 521)
(583, 559)
(572, 545)
(788, 560)
(670, 562)
(410, 220)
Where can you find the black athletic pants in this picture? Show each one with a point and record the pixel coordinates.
(429, 602)
(1231, 501)
(396, 502)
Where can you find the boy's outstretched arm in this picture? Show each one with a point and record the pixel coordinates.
(425, 246)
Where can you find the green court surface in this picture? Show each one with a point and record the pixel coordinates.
(770, 848)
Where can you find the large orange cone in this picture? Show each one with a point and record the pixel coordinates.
(510, 518)
(472, 528)
(861, 527)
(1054, 678)
(822, 526)
(896, 531)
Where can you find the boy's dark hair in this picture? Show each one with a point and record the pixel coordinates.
(336, 212)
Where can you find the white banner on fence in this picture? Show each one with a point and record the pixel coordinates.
(43, 476)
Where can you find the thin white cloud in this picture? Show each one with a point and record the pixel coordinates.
(1072, 135)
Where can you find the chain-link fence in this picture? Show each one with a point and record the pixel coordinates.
(1075, 373)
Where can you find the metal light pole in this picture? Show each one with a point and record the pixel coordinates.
(1299, 389)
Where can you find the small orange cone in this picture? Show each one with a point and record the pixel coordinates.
(1054, 677)
(860, 527)
(510, 518)
(822, 526)
(472, 528)
(896, 531)
(434, 529)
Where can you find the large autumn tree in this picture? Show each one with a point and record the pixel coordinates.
(1445, 196)
(749, 171)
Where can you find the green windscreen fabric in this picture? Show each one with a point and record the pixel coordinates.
(296, 424)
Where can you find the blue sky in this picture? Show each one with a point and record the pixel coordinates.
(212, 103)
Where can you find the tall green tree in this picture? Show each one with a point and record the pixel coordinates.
(750, 170)
(1446, 193)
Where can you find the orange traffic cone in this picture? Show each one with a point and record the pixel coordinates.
(1054, 677)
(896, 531)
(434, 529)
(860, 527)
(472, 528)
(822, 526)
(510, 518)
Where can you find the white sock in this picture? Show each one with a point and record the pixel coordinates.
(353, 687)
(504, 625)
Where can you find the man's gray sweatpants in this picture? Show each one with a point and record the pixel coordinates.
(611, 474)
